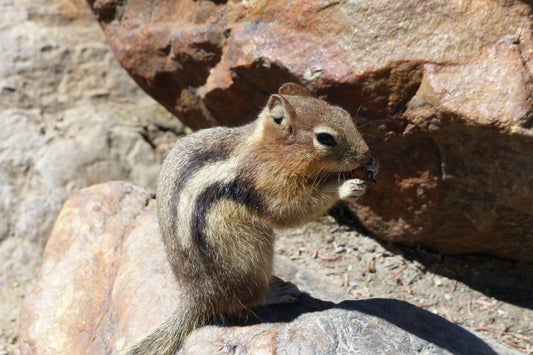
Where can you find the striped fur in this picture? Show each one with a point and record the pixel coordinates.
(221, 191)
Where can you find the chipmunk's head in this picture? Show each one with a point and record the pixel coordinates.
(313, 137)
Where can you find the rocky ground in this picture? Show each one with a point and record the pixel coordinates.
(64, 99)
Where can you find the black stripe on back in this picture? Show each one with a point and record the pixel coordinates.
(196, 162)
(238, 190)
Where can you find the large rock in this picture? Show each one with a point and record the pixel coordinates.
(105, 282)
(445, 88)
(465, 179)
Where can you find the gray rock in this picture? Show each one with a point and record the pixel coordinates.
(70, 118)
(374, 326)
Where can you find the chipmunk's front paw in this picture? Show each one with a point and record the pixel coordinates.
(352, 189)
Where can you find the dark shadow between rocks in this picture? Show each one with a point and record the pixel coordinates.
(414, 320)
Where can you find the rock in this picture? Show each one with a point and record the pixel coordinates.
(446, 99)
(70, 117)
(99, 270)
(62, 125)
(196, 57)
(465, 184)
(41, 166)
(105, 282)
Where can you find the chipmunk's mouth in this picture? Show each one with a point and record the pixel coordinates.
(365, 172)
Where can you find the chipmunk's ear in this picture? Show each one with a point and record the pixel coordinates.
(293, 89)
(280, 111)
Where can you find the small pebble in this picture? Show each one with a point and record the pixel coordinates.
(437, 282)
(447, 296)
(340, 249)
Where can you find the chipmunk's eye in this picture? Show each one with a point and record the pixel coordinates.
(326, 139)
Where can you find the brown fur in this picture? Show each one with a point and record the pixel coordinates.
(222, 190)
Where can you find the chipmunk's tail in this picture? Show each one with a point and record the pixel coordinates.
(170, 335)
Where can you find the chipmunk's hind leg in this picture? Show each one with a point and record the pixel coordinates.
(282, 292)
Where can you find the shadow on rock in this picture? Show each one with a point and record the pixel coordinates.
(398, 321)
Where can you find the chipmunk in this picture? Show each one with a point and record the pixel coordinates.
(222, 190)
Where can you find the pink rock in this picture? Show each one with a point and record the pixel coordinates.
(459, 178)
(99, 286)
